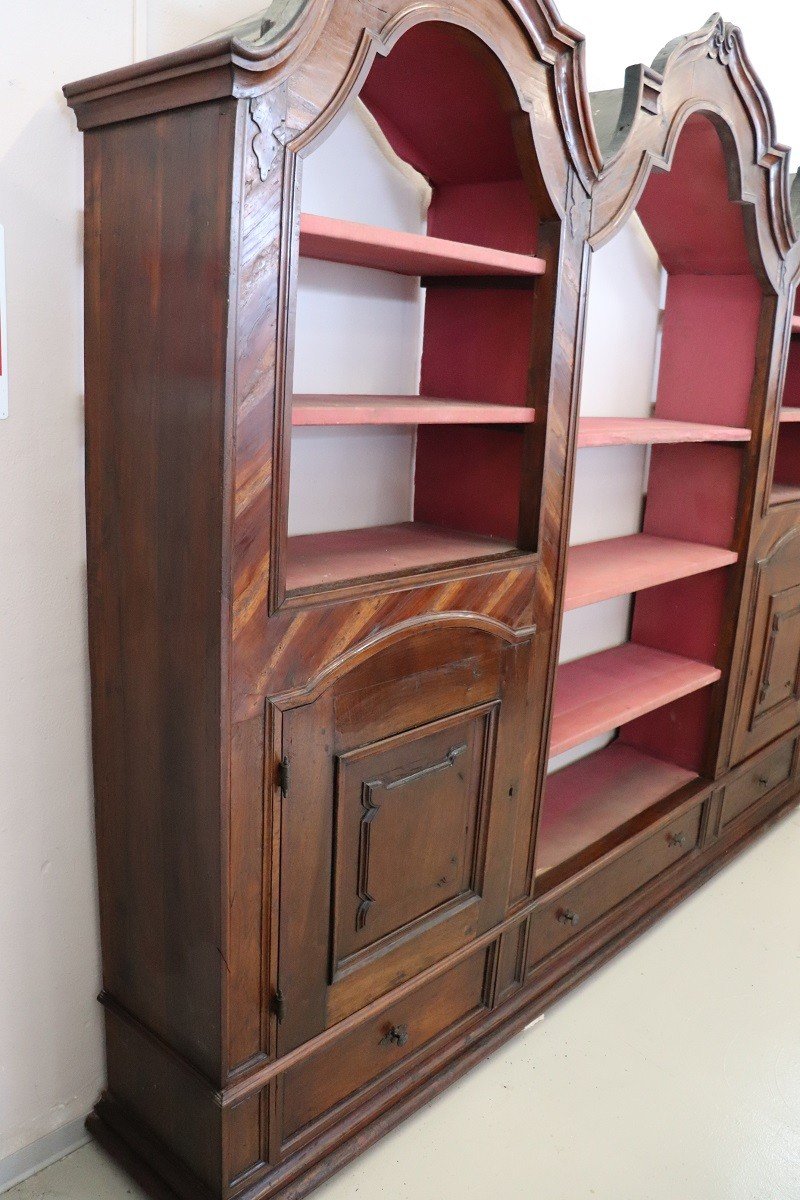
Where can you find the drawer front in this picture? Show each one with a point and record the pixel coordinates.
(765, 777)
(554, 924)
(362, 1057)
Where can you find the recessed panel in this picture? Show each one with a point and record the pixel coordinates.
(779, 681)
(410, 815)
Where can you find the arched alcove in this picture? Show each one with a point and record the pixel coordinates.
(645, 637)
(447, 425)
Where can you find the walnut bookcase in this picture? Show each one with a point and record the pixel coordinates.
(335, 869)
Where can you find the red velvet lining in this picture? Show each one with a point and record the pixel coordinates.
(684, 616)
(436, 100)
(787, 457)
(687, 212)
(469, 478)
(677, 732)
(692, 493)
(497, 214)
(708, 350)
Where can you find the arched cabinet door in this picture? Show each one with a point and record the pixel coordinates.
(397, 828)
(770, 702)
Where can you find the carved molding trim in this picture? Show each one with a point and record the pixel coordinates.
(722, 41)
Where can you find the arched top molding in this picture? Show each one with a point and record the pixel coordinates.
(432, 624)
(337, 40)
(638, 129)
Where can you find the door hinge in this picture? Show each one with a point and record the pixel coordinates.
(283, 776)
(278, 1005)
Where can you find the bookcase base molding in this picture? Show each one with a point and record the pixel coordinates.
(363, 810)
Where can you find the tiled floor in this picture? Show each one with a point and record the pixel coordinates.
(674, 1074)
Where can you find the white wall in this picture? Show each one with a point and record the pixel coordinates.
(357, 331)
(50, 1050)
(50, 1045)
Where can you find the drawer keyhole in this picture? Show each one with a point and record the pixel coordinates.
(567, 917)
(397, 1036)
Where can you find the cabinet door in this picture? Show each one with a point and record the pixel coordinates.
(398, 824)
(771, 694)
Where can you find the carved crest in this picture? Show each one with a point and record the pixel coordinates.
(722, 42)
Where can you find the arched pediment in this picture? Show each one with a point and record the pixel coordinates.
(643, 126)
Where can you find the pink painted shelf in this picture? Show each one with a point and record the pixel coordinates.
(784, 493)
(789, 414)
(597, 694)
(599, 570)
(649, 431)
(796, 324)
(325, 559)
(587, 801)
(407, 253)
(404, 410)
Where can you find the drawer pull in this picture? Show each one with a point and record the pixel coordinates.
(567, 917)
(676, 839)
(763, 781)
(397, 1036)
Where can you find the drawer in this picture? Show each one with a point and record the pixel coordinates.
(350, 1064)
(769, 773)
(555, 923)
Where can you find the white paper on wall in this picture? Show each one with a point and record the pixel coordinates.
(3, 330)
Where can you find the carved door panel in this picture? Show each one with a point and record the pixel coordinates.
(771, 694)
(397, 828)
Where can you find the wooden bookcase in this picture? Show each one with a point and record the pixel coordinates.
(335, 868)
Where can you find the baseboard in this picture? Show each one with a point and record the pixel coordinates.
(41, 1153)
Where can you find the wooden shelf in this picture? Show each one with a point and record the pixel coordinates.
(784, 493)
(403, 410)
(599, 570)
(648, 431)
(407, 253)
(325, 559)
(788, 414)
(589, 800)
(597, 694)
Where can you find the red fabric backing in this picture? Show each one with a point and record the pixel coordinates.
(687, 213)
(437, 97)
(684, 616)
(791, 390)
(787, 457)
(677, 732)
(499, 214)
(692, 493)
(708, 349)
(469, 478)
(477, 346)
